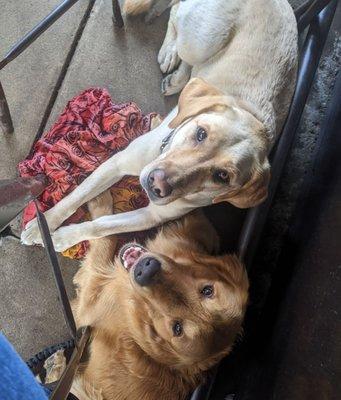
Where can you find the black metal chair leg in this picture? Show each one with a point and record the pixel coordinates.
(6, 123)
(117, 15)
(34, 33)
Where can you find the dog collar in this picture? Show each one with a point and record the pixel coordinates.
(166, 140)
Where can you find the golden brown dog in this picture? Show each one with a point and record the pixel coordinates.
(162, 315)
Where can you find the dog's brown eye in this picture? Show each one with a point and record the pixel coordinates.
(177, 328)
(221, 176)
(201, 134)
(207, 291)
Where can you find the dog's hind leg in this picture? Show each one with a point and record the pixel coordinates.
(176, 81)
(168, 57)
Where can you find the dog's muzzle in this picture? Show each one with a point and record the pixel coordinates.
(146, 270)
(158, 185)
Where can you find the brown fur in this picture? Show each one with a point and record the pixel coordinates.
(134, 354)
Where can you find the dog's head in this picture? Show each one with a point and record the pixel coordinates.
(182, 307)
(218, 147)
(170, 301)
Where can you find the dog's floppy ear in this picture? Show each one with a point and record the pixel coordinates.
(254, 192)
(197, 96)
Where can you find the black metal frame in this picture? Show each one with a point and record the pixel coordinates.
(80, 337)
(6, 123)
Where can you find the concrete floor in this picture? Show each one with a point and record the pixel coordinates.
(124, 61)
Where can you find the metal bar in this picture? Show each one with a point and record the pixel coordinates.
(57, 274)
(6, 124)
(117, 14)
(62, 73)
(314, 9)
(40, 28)
(15, 194)
(303, 8)
(312, 51)
(82, 336)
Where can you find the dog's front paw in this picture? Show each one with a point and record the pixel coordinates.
(31, 234)
(168, 57)
(67, 236)
(64, 238)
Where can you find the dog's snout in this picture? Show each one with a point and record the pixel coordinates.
(158, 184)
(146, 270)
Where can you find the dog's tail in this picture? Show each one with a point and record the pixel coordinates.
(135, 7)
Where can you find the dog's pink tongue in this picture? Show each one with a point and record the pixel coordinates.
(131, 255)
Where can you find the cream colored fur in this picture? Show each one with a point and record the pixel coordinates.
(244, 54)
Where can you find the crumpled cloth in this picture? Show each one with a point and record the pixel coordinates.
(90, 130)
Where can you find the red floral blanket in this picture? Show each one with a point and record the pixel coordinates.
(90, 130)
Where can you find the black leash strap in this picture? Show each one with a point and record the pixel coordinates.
(81, 337)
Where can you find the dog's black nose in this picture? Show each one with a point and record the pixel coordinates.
(145, 271)
(158, 184)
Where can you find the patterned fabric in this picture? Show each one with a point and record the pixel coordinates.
(90, 130)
